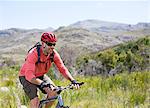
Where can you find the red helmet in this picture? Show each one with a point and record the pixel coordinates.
(48, 37)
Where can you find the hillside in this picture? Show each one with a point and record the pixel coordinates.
(108, 27)
(113, 58)
(131, 56)
(76, 39)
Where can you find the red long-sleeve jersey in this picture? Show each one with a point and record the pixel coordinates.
(30, 69)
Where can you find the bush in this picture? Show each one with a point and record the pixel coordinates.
(131, 56)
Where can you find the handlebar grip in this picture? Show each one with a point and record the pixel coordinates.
(81, 83)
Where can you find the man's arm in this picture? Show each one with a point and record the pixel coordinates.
(31, 60)
(61, 67)
(36, 81)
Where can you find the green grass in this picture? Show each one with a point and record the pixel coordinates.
(120, 91)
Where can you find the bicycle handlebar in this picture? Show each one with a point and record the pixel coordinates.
(59, 89)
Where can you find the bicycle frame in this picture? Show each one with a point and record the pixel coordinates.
(60, 103)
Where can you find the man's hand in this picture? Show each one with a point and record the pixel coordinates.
(47, 87)
(75, 84)
(44, 84)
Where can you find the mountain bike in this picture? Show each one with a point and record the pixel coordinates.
(60, 103)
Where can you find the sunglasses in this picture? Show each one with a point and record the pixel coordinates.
(50, 44)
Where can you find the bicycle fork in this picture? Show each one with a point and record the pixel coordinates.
(60, 102)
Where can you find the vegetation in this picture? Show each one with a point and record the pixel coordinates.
(132, 56)
(120, 91)
(128, 89)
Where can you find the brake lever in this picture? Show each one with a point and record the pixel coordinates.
(71, 86)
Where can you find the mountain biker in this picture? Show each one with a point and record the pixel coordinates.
(33, 76)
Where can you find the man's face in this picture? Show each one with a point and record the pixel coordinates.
(48, 47)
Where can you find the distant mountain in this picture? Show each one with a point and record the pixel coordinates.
(13, 31)
(96, 24)
(76, 39)
(142, 25)
(103, 26)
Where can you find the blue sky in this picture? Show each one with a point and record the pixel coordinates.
(42, 14)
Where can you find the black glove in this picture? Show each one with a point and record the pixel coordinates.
(44, 84)
(74, 82)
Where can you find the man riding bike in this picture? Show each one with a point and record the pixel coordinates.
(32, 74)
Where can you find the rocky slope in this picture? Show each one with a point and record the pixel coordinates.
(79, 38)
